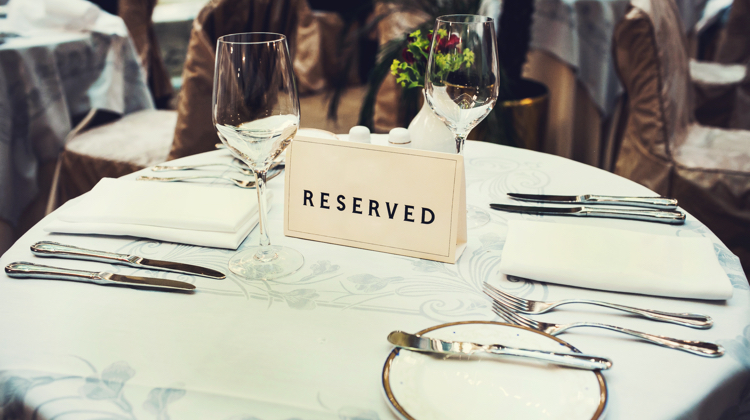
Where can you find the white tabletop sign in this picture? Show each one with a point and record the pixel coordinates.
(381, 198)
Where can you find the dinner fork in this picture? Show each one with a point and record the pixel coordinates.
(242, 183)
(160, 168)
(238, 165)
(535, 307)
(700, 348)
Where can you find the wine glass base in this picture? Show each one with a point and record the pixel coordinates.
(476, 217)
(286, 261)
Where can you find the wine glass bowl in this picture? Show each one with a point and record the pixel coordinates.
(461, 81)
(255, 110)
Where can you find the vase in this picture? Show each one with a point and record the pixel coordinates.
(428, 132)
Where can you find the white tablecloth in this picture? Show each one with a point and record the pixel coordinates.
(45, 82)
(312, 345)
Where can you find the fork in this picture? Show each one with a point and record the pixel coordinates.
(700, 348)
(237, 165)
(242, 183)
(160, 168)
(535, 307)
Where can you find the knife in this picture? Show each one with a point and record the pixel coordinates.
(54, 249)
(660, 216)
(23, 270)
(663, 203)
(433, 345)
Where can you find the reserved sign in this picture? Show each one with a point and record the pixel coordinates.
(381, 198)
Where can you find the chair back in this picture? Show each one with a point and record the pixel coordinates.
(652, 63)
(137, 15)
(734, 44)
(195, 132)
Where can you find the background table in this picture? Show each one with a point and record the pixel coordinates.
(312, 345)
(46, 82)
(571, 52)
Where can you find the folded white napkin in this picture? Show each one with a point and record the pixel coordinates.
(615, 260)
(175, 212)
(40, 16)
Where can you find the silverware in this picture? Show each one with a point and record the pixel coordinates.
(536, 307)
(24, 270)
(660, 216)
(700, 348)
(242, 183)
(237, 164)
(433, 345)
(663, 203)
(54, 249)
(161, 168)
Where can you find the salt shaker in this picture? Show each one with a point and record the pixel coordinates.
(359, 134)
(399, 137)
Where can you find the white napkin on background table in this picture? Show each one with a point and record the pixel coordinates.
(185, 213)
(615, 260)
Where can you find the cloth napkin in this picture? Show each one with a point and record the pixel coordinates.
(615, 260)
(174, 212)
(28, 17)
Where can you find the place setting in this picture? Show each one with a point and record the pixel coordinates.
(288, 264)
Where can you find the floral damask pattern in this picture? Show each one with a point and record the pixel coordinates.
(66, 395)
(739, 347)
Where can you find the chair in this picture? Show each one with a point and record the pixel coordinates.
(142, 139)
(195, 132)
(137, 17)
(706, 169)
(721, 88)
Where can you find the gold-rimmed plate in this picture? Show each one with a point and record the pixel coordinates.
(422, 386)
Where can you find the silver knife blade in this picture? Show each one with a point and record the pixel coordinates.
(38, 271)
(54, 249)
(433, 345)
(544, 197)
(181, 268)
(536, 209)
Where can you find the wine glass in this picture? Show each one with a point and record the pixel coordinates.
(461, 81)
(256, 113)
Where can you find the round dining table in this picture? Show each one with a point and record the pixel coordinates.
(313, 345)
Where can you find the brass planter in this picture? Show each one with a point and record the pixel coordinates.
(527, 115)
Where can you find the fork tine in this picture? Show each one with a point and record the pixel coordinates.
(518, 300)
(504, 315)
(503, 301)
(513, 317)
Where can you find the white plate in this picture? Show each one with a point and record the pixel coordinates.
(423, 386)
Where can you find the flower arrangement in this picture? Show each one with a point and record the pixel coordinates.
(410, 72)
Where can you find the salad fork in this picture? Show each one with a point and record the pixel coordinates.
(700, 348)
(535, 307)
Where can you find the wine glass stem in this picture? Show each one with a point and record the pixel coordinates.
(460, 144)
(265, 252)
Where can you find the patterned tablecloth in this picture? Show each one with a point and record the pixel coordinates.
(47, 80)
(312, 345)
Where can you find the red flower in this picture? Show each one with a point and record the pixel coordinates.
(444, 45)
(407, 56)
(451, 42)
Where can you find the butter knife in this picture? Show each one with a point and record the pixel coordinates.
(433, 345)
(24, 270)
(54, 249)
(659, 216)
(663, 203)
